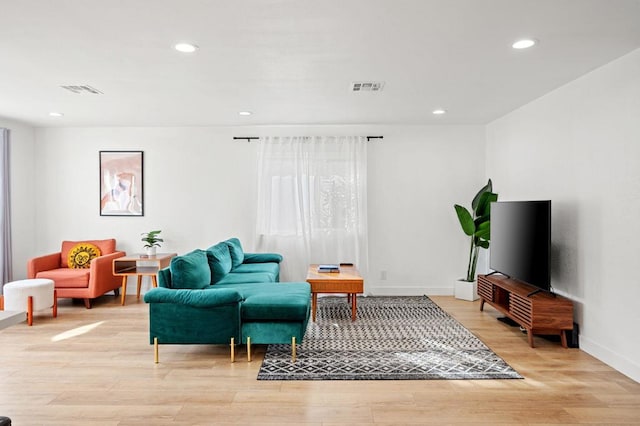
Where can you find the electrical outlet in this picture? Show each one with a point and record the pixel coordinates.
(383, 275)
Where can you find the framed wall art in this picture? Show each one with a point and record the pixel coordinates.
(121, 183)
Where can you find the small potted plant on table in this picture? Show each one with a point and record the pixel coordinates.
(152, 241)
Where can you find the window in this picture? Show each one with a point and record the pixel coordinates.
(312, 200)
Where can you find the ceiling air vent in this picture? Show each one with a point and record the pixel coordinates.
(84, 88)
(367, 86)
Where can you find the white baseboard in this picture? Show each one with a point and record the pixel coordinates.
(9, 318)
(408, 290)
(626, 366)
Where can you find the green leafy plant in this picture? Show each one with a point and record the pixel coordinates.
(151, 239)
(477, 224)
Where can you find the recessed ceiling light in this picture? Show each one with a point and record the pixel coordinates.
(56, 114)
(524, 43)
(245, 113)
(438, 111)
(185, 47)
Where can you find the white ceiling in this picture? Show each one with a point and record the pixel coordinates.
(292, 61)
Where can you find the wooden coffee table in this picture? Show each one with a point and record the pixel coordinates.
(348, 280)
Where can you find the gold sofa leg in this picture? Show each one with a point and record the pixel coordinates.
(293, 348)
(248, 349)
(233, 349)
(155, 350)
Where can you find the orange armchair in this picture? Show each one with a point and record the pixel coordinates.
(86, 283)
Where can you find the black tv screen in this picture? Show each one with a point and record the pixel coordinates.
(521, 241)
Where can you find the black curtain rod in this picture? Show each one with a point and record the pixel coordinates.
(247, 138)
(255, 138)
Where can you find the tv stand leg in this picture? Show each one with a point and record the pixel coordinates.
(530, 337)
(563, 338)
(481, 304)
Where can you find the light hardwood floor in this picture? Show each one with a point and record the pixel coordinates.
(95, 367)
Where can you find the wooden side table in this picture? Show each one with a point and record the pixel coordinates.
(139, 266)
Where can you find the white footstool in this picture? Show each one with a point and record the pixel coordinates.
(32, 295)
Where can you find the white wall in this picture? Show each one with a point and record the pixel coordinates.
(580, 147)
(200, 188)
(23, 202)
(416, 175)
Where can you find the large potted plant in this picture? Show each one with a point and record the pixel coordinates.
(152, 241)
(477, 225)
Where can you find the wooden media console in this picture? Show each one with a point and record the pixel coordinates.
(539, 313)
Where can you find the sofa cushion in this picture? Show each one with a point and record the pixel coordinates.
(210, 297)
(249, 277)
(278, 301)
(105, 246)
(190, 270)
(237, 254)
(262, 258)
(219, 260)
(270, 268)
(66, 277)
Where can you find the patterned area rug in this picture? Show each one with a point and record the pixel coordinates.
(394, 338)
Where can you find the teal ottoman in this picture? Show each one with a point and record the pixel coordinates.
(277, 313)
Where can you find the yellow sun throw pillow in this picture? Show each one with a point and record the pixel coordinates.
(81, 254)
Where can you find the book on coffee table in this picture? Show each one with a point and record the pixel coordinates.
(329, 268)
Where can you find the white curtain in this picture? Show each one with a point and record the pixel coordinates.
(312, 201)
(5, 209)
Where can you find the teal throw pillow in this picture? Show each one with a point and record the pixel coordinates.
(237, 254)
(219, 261)
(190, 270)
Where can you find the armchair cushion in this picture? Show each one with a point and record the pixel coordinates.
(67, 277)
(190, 270)
(237, 254)
(105, 246)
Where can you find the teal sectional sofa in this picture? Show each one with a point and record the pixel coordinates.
(222, 295)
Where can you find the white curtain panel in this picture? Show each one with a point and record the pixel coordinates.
(5, 210)
(312, 201)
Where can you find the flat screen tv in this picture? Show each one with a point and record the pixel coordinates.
(521, 241)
